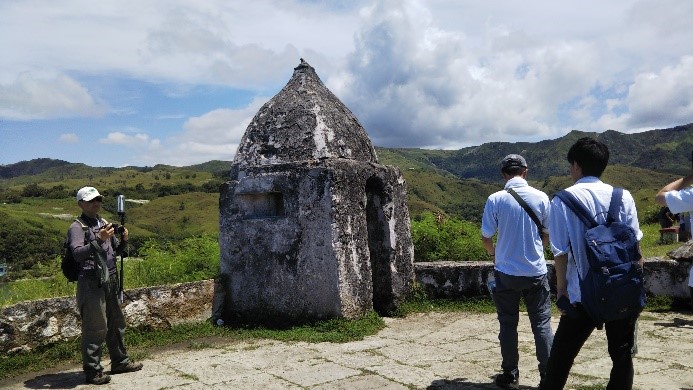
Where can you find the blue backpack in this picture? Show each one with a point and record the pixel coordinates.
(612, 288)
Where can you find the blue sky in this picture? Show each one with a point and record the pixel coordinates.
(143, 82)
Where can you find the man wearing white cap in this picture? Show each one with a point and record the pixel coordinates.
(519, 214)
(94, 244)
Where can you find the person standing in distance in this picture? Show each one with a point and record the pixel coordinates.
(588, 158)
(678, 196)
(519, 266)
(94, 245)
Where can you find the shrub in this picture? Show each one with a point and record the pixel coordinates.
(193, 258)
(438, 237)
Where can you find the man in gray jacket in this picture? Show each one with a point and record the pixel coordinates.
(93, 243)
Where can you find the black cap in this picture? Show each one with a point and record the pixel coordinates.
(513, 160)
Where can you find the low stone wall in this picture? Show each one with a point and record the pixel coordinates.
(27, 325)
(30, 324)
(448, 279)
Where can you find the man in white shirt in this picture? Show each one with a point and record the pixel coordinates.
(678, 196)
(588, 159)
(519, 265)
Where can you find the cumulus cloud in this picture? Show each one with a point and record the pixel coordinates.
(70, 138)
(39, 97)
(654, 99)
(212, 136)
(413, 84)
(666, 97)
(417, 82)
(121, 138)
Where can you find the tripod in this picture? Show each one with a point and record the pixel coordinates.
(121, 213)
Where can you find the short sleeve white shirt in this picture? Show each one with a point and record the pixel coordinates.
(519, 249)
(567, 231)
(680, 201)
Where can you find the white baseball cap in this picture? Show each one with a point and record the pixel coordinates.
(87, 193)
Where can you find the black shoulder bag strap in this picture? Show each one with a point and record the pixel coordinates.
(527, 209)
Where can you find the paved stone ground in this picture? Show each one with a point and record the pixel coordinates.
(422, 351)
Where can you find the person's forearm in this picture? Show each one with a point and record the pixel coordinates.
(641, 261)
(545, 239)
(488, 244)
(561, 266)
(675, 185)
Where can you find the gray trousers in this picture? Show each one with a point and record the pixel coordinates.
(536, 294)
(102, 320)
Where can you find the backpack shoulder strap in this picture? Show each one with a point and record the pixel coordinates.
(525, 206)
(574, 204)
(85, 229)
(84, 225)
(615, 204)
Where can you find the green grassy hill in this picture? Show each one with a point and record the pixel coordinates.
(170, 203)
(665, 151)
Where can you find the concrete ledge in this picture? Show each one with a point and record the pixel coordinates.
(27, 325)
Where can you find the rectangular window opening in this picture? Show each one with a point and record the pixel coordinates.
(262, 205)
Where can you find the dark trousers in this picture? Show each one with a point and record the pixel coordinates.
(102, 320)
(572, 333)
(537, 296)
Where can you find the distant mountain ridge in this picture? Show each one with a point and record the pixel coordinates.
(55, 168)
(661, 150)
(31, 167)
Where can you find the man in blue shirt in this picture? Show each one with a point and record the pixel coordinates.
(519, 266)
(588, 159)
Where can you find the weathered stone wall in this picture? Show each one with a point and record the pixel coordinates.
(448, 279)
(306, 260)
(29, 324)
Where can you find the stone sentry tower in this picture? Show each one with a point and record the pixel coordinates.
(311, 226)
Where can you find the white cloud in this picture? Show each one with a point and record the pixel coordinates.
(70, 138)
(212, 136)
(241, 44)
(417, 79)
(31, 96)
(413, 84)
(659, 99)
(666, 97)
(134, 140)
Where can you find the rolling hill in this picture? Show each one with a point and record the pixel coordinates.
(166, 202)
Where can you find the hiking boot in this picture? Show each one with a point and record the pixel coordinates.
(98, 378)
(122, 369)
(507, 381)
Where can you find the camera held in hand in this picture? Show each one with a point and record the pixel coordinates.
(117, 228)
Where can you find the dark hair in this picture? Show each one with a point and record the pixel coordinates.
(513, 171)
(591, 155)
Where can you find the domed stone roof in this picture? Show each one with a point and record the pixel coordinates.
(305, 121)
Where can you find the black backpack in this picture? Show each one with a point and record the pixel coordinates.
(68, 264)
(613, 286)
